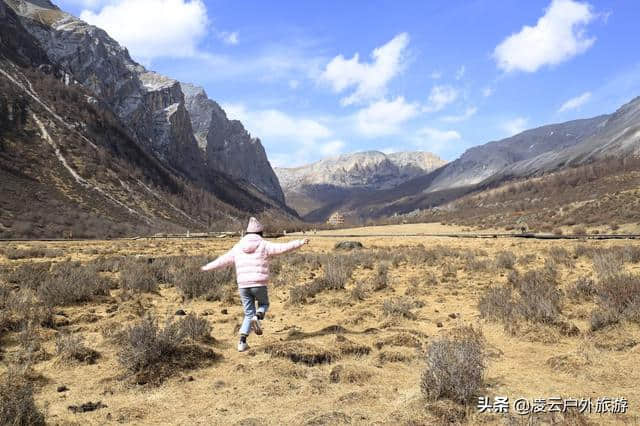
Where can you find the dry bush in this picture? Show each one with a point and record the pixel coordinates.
(619, 296)
(601, 318)
(505, 259)
(152, 354)
(534, 296)
(137, 275)
(607, 264)
(527, 259)
(380, 280)
(497, 303)
(71, 347)
(13, 253)
(584, 288)
(473, 264)
(561, 255)
(399, 307)
(539, 296)
(360, 291)
(73, 283)
(30, 275)
(194, 283)
(557, 231)
(337, 272)
(146, 344)
(17, 405)
(455, 366)
(196, 328)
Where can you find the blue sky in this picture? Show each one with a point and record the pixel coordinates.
(314, 79)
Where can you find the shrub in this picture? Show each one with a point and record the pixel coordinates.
(561, 255)
(455, 366)
(70, 347)
(151, 354)
(195, 327)
(496, 303)
(583, 288)
(193, 283)
(146, 344)
(336, 273)
(607, 264)
(30, 253)
(506, 260)
(30, 275)
(72, 283)
(557, 231)
(381, 278)
(601, 318)
(138, 276)
(539, 299)
(620, 294)
(399, 307)
(17, 406)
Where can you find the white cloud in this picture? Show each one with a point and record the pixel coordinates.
(229, 37)
(514, 126)
(436, 75)
(576, 102)
(384, 117)
(559, 35)
(440, 97)
(331, 148)
(293, 84)
(153, 28)
(467, 114)
(435, 140)
(369, 79)
(487, 91)
(460, 72)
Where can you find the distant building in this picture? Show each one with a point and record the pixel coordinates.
(336, 219)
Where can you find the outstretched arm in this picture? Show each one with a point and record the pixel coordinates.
(226, 259)
(275, 248)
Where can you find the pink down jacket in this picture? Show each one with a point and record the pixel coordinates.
(251, 258)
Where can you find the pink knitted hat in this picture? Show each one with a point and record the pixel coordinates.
(254, 225)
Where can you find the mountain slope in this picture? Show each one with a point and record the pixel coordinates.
(532, 153)
(151, 105)
(316, 189)
(228, 146)
(69, 164)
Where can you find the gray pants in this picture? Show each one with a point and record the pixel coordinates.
(249, 297)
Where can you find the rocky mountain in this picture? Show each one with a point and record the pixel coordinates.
(532, 153)
(228, 146)
(151, 105)
(326, 182)
(483, 161)
(93, 144)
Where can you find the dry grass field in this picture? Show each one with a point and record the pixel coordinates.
(407, 330)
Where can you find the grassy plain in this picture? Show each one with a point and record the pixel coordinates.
(348, 354)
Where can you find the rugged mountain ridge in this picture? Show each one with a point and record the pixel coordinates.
(532, 153)
(327, 182)
(227, 144)
(151, 105)
(69, 165)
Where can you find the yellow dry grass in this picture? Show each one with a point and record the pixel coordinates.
(264, 386)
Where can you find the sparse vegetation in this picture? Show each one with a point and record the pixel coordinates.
(71, 283)
(71, 347)
(506, 260)
(17, 405)
(455, 366)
